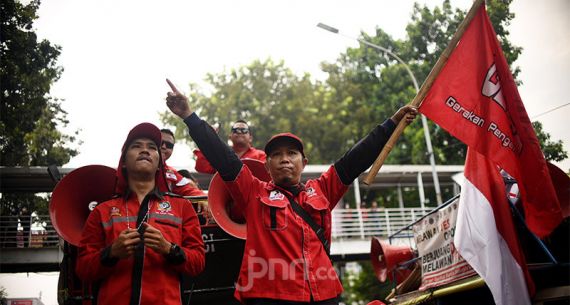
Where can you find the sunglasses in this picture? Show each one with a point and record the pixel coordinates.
(168, 145)
(240, 130)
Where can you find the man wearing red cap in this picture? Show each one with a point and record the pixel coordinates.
(286, 257)
(138, 244)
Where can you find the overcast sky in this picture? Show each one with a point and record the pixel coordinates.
(116, 55)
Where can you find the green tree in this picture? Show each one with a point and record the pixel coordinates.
(29, 116)
(362, 286)
(380, 84)
(272, 99)
(553, 150)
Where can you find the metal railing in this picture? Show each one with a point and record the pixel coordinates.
(407, 229)
(27, 232)
(346, 224)
(364, 223)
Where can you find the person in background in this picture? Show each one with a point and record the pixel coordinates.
(204, 213)
(187, 174)
(286, 258)
(241, 138)
(140, 243)
(26, 221)
(178, 183)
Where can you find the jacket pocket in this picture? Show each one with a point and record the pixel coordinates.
(318, 208)
(170, 227)
(274, 214)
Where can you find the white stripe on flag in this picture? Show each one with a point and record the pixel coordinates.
(480, 244)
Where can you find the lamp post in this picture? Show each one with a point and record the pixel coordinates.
(415, 82)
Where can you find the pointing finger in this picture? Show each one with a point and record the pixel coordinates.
(172, 86)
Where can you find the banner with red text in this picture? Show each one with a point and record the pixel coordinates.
(439, 260)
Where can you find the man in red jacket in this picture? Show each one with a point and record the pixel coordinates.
(138, 244)
(241, 138)
(286, 257)
(178, 184)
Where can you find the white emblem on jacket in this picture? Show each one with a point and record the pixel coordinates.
(276, 195)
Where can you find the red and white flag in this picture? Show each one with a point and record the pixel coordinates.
(485, 234)
(475, 99)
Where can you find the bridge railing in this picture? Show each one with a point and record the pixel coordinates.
(346, 224)
(364, 223)
(35, 231)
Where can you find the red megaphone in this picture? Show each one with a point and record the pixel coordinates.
(386, 258)
(76, 195)
(227, 214)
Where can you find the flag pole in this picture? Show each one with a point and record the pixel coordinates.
(426, 86)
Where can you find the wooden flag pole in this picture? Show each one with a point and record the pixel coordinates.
(426, 86)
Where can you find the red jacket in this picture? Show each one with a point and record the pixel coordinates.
(283, 258)
(203, 166)
(159, 279)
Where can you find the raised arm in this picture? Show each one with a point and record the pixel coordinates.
(220, 156)
(361, 156)
(177, 102)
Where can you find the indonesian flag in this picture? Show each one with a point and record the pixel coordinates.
(485, 235)
(476, 100)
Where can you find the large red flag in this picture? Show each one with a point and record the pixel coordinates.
(476, 100)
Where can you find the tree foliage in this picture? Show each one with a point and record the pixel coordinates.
(3, 295)
(29, 116)
(552, 150)
(272, 99)
(362, 286)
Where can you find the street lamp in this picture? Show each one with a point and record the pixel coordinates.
(415, 82)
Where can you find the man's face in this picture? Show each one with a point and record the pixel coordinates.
(285, 164)
(240, 135)
(167, 146)
(142, 157)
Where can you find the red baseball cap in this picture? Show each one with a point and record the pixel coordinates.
(144, 130)
(282, 137)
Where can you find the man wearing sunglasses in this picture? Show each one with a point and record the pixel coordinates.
(241, 144)
(177, 183)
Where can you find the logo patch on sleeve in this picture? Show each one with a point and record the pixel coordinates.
(311, 192)
(170, 175)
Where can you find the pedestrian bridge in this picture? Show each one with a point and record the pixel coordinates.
(40, 248)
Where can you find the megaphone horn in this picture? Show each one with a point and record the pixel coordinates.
(76, 195)
(386, 259)
(227, 214)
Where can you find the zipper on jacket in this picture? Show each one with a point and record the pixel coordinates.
(305, 266)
